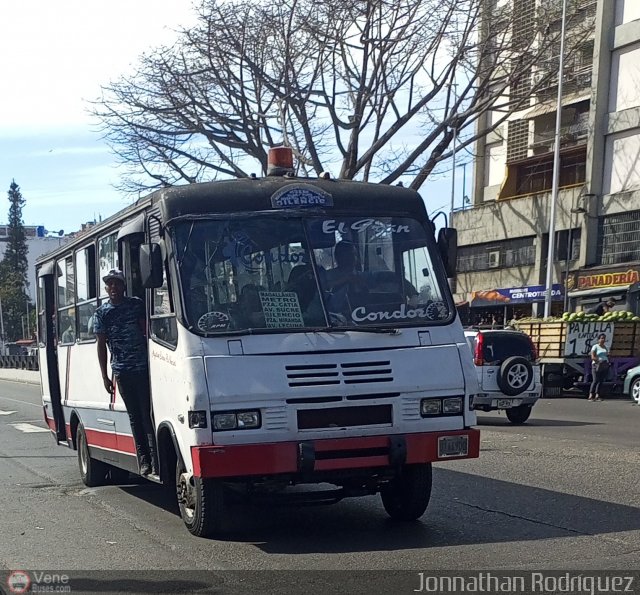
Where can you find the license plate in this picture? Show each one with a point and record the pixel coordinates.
(453, 446)
(505, 403)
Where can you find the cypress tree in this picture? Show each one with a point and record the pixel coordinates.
(14, 269)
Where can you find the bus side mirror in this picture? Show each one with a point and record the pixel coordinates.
(151, 265)
(448, 248)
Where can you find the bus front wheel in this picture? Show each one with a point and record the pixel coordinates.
(92, 472)
(200, 501)
(406, 496)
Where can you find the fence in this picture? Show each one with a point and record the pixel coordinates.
(19, 362)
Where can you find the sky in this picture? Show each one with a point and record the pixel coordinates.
(54, 57)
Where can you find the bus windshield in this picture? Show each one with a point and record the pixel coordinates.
(267, 273)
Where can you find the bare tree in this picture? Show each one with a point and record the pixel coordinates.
(374, 89)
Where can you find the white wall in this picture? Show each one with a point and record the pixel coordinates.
(37, 247)
(495, 159)
(626, 11)
(622, 162)
(624, 89)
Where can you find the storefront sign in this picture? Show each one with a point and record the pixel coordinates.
(620, 277)
(515, 295)
(582, 336)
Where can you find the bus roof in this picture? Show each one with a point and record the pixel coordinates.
(254, 194)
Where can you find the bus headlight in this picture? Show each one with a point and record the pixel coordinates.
(236, 420)
(452, 405)
(249, 419)
(430, 407)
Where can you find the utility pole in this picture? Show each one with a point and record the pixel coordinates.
(28, 327)
(556, 171)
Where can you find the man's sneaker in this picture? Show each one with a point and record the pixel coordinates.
(145, 469)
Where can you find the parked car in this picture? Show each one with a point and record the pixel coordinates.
(632, 384)
(508, 372)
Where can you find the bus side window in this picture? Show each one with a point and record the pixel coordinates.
(66, 299)
(86, 291)
(163, 318)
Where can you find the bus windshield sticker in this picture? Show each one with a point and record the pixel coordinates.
(375, 226)
(281, 309)
(434, 311)
(300, 195)
(213, 321)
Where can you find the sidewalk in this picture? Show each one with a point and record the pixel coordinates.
(27, 376)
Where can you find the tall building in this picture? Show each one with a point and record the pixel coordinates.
(503, 237)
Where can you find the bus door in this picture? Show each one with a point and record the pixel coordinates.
(47, 352)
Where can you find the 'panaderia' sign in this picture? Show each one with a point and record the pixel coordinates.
(595, 280)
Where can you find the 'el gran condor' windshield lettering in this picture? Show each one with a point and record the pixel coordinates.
(331, 226)
(402, 313)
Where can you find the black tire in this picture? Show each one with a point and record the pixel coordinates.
(634, 390)
(201, 503)
(406, 497)
(518, 415)
(515, 376)
(92, 472)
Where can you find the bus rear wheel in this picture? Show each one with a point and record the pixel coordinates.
(92, 472)
(201, 503)
(406, 496)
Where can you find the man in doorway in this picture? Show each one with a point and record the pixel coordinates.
(120, 324)
(603, 307)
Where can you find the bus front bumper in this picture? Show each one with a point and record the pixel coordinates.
(245, 460)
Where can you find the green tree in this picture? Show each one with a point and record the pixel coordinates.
(14, 269)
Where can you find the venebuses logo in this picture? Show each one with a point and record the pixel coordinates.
(18, 582)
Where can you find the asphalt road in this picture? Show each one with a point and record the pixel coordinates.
(561, 492)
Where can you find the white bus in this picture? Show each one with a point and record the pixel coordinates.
(274, 360)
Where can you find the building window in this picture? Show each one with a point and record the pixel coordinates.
(568, 241)
(497, 255)
(619, 238)
(538, 176)
(517, 139)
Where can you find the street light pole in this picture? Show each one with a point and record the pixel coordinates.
(556, 171)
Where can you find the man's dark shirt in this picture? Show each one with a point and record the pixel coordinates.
(121, 326)
(600, 309)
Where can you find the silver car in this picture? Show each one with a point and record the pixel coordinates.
(508, 372)
(632, 384)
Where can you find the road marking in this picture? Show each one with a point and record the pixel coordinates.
(6, 412)
(21, 402)
(29, 428)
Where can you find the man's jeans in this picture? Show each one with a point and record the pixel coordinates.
(135, 391)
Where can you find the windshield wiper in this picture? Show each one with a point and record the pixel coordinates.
(385, 330)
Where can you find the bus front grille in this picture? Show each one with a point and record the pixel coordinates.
(349, 373)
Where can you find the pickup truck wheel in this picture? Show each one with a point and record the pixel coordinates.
(518, 415)
(634, 390)
(515, 375)
(406, 497)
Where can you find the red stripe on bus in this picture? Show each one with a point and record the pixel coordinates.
(110, 440)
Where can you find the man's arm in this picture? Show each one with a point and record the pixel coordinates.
(102, 359)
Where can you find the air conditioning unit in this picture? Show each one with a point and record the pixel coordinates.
(493, 259)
